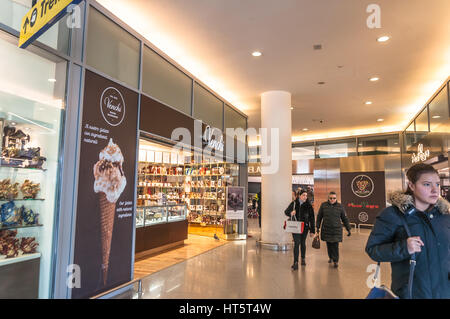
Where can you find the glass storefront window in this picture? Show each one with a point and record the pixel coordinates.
(303, 151)
(377, 145)
(439, 112)
(207, 107)
(409, 136)
(422, 124)
(175, 178)
(166, 83)
(235, 121)
(32, 102)
(57, 37)
(339, 148)
(112, 50)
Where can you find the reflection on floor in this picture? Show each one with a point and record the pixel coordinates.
(241, 270)
(193, 246)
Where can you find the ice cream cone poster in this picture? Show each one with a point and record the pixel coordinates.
(106, 187)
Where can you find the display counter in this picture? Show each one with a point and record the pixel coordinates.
(160, 227)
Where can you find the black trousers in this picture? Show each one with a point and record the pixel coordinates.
(333, 251)
(300, 241)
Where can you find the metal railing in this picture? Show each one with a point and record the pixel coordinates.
(113, 292)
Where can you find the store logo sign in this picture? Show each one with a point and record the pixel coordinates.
(211, 142)
(362, 186)
(363, 217)
(112, 106)
(421, 155)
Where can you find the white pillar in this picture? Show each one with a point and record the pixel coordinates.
(276, 180)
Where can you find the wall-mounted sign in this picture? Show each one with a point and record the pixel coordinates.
(421, 156)
(106, 185)
(235, 203)
(363, 195)
(41, 17)
(214, 144)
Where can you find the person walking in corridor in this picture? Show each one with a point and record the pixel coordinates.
(330, 218)
(303, 211)
(427, 217)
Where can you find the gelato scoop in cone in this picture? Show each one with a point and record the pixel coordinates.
(109, 183)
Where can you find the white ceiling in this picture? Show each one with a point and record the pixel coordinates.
(214, 39)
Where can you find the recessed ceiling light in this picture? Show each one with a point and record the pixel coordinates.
(256, 53)
(292, 107)
(317, 47)
(384, 38)
(436, 117)
(368, 102)
(380, 120)
(13, 123)
(305, 129)
(340, 66)
(374, 79)
(52, 80)
(321, 82)
(396, 143)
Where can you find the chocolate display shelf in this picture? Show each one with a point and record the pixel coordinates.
(21, 167)
(20, 226)
(22, 199)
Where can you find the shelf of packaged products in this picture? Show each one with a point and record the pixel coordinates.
(24, 257)
(22, 199)
(161, 186)
(20, 226)
(29, 168)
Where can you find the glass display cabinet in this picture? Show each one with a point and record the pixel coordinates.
(153, 215)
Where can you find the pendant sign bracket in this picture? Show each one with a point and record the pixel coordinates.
(41, 17)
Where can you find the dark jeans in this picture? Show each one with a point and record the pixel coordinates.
(333, 251)
(300, 240)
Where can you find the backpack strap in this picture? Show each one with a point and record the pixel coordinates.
(412, 261)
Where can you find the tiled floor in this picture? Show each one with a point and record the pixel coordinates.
(241, 270)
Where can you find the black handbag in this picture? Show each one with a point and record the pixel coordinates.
(383, 292)
(316, 242)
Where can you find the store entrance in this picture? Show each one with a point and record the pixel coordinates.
(181, 192)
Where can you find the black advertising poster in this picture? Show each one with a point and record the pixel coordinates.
(363, 196)
(106, 187)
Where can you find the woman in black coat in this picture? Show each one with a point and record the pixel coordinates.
(303, 211)
(428, 219)
(333, 215)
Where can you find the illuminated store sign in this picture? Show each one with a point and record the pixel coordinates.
(421, 155)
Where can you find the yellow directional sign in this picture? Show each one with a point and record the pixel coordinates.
(41, 17)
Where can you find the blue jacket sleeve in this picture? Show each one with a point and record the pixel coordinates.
(383, 244)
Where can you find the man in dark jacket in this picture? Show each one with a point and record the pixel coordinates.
(388, 243)
(333, 215)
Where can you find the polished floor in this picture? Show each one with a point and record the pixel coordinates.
(241, 270)
(193, 246)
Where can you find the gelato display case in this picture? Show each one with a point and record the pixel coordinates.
(152, 215)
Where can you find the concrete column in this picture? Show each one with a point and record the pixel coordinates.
(276, 176)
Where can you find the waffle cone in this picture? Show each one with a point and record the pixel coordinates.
(107, 210)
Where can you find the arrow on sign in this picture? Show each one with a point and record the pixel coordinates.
(27, 22)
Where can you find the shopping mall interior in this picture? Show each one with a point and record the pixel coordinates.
(150, 148)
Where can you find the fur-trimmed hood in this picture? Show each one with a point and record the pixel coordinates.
(403, 201)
